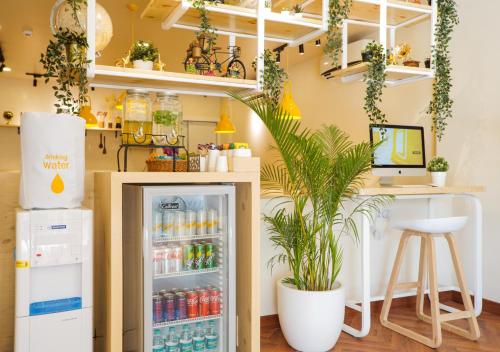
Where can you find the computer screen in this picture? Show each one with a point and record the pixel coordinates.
(399, 146)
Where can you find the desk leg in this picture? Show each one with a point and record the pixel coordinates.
(364, 308)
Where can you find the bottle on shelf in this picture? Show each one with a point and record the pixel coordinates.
(158, 342)
(199, 338)
(186, 340)
(211, 337)
(172, 341)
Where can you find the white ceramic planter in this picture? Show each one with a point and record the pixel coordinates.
(143, 65)
(311, 321)
(285, 12)
(438, 179)
(298, 14)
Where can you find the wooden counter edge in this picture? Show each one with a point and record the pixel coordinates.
(397, 191)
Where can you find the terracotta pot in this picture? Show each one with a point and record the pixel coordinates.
(412, 63)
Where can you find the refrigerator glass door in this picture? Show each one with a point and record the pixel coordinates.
(189, 283)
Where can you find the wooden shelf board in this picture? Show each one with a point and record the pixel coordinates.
(87, 128)
(178, 81)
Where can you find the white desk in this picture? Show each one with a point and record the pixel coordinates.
(428, 193)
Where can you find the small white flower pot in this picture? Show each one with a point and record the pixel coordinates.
(285, 13)
(143, 65)
(298, 14)
(311, 321)
(438, 179)
(268, 9)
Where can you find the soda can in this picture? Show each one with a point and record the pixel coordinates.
(157, 309)
(204, 302)
(168, 307)
(210, 255)
(214, 308)
(180, 306)
(158, 224)
(212, 222)
(179, 219)
(192, 304)
(199, 256)
(175, 263)
(188, 256)
(201, 222)
(168, 223)
(159, 261)
(190, 223)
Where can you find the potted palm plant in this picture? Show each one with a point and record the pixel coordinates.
(318, 173)
(143, 54)
(438, 167)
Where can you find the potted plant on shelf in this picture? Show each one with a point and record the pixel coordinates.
(298, 11)
(143, 54)
(285, 11)
(438, 167)
(317, 173)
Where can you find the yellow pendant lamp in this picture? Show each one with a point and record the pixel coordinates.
(288, 104)
(225, 125)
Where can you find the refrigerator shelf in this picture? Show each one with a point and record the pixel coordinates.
(187, 321)
(166, 240)
(188, 273)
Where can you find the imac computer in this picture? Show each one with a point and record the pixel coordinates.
(400, 151)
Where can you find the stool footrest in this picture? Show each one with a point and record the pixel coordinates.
(463, 314)
(406, 285)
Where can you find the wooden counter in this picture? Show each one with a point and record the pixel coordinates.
(401, 191)
(108, 252)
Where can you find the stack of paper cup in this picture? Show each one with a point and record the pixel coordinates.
(213, 154)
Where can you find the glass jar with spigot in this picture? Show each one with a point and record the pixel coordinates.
(167, 119)
(137, 124)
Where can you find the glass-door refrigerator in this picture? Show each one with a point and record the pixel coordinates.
(179, 268)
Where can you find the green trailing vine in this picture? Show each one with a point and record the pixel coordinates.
(375, 78)
(205, 29)
(441, 105)
(273, 78)
(65, 59)
(338, 11)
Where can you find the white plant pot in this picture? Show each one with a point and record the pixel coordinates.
(311, 321)
(438, 179)
(298, 14)
(285, 13)
(143, 65)
(268, 9)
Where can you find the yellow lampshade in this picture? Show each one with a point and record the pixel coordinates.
(225, 125)
(288, 104)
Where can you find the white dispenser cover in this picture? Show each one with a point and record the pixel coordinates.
(52, 160)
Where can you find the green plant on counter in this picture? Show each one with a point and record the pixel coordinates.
(142, 50)
(319, 173)
(165, 117)
(297, 8)
(65, 59)
(338, 11)
(438, 164)
(273, 78)
(206, 30)
(375, 78)
(441, 105)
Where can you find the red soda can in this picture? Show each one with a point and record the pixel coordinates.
(192, 304)
(214, 293)
(204, 301)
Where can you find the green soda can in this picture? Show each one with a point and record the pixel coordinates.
(199, 256)
(188, 257)
(209, 255)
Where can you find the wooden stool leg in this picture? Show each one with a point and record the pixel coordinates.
(421, 278)
(434, 294)
(473, 332)
(384, 314)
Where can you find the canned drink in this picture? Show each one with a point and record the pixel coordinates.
(157, 309)
(159, 261)
(204, 302)
(201, 222)
(210, 255)
(199, 256)
(175, 262)
(180, 306)
(188, 256)
(192, 304)
(168, 307)
(214, 293)
(158, 224)
(190, 223)
(212, 222)
(168, 223)
(179, 219)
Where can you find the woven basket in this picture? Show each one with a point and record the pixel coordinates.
(167, 165)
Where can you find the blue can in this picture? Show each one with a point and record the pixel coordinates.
(157, 309)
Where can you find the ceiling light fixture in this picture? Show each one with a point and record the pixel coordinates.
(301, 49)
(318, 42)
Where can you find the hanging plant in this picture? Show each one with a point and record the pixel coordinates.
(206, 35)
(66, 60)
(375, 78)
(338, 11)
(441, 105)
(273, 78)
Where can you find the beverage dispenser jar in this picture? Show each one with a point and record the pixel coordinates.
(137, 126)
(167, 119)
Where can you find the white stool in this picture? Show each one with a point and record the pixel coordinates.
(427, 229)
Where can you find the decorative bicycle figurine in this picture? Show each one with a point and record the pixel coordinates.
(206, 62)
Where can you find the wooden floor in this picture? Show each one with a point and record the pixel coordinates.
(383, 339)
